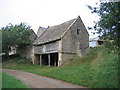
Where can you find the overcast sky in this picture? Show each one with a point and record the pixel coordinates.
(45, 12)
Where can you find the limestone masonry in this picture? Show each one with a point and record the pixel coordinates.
(55, 45)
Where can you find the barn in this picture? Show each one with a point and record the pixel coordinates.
(57, 44)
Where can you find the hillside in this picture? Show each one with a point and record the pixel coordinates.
(99, 69)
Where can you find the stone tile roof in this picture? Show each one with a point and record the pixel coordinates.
(53, 33)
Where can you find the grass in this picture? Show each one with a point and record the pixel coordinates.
(11, 82)
(96, 70)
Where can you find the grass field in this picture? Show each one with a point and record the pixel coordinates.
(99, 69)
(11, 82)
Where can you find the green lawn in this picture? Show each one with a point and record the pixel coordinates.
(96, 70)
(11, 82)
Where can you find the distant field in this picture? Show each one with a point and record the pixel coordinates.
(99, 69)
(11, 82)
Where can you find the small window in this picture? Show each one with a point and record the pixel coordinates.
(78, 31)
(34, 38)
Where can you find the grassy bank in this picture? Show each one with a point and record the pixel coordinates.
(11, 82)
(96, 70)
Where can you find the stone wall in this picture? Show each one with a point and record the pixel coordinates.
(83, 39)
(74, 43)
(66, 57)
(26, 51)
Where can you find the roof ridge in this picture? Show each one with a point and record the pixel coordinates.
(62, 23)
(55, 32)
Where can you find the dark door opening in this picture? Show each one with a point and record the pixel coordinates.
(100, 42)
(44, 59)
(53, 59)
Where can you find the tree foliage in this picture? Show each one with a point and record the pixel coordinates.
(15, 35)
(109, 24)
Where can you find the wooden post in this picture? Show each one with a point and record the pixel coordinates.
(60, 53)
(54, 61)
(59, 59)
(40, 60)
(49, 59)
(33, 59)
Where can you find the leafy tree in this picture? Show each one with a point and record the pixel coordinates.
(16, 36)
(109, 24)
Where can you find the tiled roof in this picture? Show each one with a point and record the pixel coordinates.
(53, 33)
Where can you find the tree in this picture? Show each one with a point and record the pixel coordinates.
(109, 24)
(16, 36)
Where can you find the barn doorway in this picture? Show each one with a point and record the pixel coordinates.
(44, 59)
(54, 59)
(50, 59)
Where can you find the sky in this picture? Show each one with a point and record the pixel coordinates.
(46, 12)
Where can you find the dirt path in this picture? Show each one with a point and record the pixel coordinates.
(37, 81)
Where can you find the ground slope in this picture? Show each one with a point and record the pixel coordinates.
(99, 69)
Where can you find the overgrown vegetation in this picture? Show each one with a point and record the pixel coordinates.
(11, 82)
(83, 60)
(15, 36)
(99, 69)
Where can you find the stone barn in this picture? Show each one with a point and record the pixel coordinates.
(59, 43)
